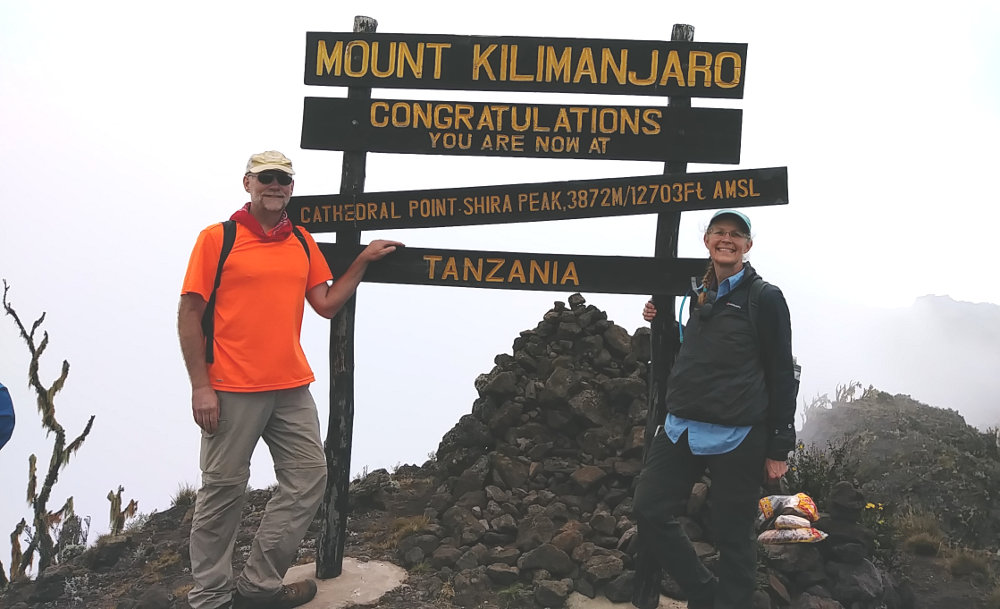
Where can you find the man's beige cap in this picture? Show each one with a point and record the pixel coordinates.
(272, 159)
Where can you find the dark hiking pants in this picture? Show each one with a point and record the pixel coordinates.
(662, 495)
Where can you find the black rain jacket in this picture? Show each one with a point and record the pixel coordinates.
(725, 374)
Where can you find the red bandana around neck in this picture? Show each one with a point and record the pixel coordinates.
(280, 231)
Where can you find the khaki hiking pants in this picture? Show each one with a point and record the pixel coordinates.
(288, 422)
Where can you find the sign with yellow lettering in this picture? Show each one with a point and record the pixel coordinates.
(541, 201)
(638, 133)
(507, 63)
(524, 271)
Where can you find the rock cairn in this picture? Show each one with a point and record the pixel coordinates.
(538, 479)
(837, 573)
(537, 483)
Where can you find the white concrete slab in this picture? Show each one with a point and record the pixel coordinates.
(579, 601)
(359, 583)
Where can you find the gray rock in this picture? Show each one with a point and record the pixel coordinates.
(588, 477)
(468, 560)
(412, 556)
(584, 587)
(603, 523)
(472, 499)
(500, 385)
(462, 525)
(471, 586)
(503, 575)
(641, 344)
(534, 531)
(506, 556)
(553, 593)
(619, 589)
(861, 582)
(618, 341)
(504, 524)
(808, 601)
(846, 502)
(445, 556)
(548, 557)
(592, 406)
(427, 543)
(567, 540)
(473, 478)
(560, 383)
(599, 569)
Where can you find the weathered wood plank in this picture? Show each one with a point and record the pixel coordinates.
(536, 202)
(524, 271)
(514, 63)
(570, 131)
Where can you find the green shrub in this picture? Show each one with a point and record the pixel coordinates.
(514, 595)
(135, 524)
(397, 530)
(875, 518)
(923, 544)
(814, 471)
(966, 562)
(185, 495)
(910, 522)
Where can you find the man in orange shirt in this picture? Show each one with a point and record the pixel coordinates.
(252, 382)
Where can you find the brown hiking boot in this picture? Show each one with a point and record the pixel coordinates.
(291, 595)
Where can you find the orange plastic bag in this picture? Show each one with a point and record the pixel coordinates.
(809, 535)
(776, 505)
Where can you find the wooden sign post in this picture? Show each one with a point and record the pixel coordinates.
(340, 428)
(675, 133)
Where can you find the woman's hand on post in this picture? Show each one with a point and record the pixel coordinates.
(775, 469)
(649, 311)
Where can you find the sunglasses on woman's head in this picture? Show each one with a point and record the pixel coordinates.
(269, 176)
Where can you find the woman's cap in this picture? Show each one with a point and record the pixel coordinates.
(732, 212)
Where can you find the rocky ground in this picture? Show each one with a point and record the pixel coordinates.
(529, 499)
(149, 568)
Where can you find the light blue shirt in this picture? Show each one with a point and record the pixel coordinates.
(708, 438)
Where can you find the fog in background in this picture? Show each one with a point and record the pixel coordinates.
(125, 128)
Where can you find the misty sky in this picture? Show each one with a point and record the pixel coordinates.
(125, 128)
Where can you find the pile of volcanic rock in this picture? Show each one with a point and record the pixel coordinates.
(537, 483)
(538, 479)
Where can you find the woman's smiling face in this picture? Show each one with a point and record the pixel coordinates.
(727, 241)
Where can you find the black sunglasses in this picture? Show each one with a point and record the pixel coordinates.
(269, 176)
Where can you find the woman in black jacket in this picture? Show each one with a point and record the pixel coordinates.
(730, 409)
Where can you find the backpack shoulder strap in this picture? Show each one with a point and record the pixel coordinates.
(756, 287)
(302, 240)
(208, 318)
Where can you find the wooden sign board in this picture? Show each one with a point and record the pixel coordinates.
(542, 201)
(524, 271)
(638, 133)
(507, 63)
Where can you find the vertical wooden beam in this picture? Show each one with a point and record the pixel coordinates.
(664, 343)
(665, 338)
(340, 431)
